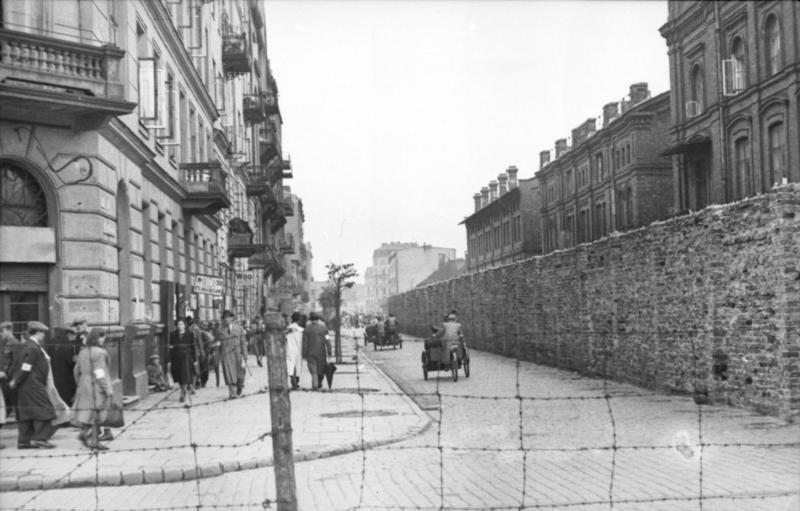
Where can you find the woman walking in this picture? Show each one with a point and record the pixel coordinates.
(93, 395)
(182, 358)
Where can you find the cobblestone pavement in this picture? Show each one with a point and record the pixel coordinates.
(532, 438)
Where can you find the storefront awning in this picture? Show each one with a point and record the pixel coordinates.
(686, 147)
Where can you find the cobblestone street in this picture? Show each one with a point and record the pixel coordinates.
(569, 443)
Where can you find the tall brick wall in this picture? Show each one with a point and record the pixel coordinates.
(711, 297)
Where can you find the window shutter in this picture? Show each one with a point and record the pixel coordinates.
(23, 277)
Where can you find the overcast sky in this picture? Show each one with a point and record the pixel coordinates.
(396, 112)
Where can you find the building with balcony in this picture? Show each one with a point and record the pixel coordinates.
(125, 160)
(612, 177)
(735, 81)
(505, 225)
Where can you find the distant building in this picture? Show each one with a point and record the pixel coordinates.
(355, 299)
(505, 225)
(735, 83)
(446, 271)
(398, 267)
(612, 177)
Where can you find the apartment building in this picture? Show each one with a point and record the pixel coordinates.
(134, 136)
(608, 177)
(505, 225)
(735, 80)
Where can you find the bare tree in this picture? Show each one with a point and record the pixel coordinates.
(339, 276)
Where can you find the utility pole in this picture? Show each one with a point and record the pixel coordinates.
(280, 412)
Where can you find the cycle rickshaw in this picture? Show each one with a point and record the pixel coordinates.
(441, 355)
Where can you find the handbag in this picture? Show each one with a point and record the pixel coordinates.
(114, 418)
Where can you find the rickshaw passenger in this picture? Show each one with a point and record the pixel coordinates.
(450, 334)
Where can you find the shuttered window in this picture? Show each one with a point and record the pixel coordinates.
(23, 277)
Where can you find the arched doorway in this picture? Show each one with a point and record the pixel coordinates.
(28, 248)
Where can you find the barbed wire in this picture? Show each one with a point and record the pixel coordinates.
(608, 395)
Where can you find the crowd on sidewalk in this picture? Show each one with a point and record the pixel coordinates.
(65, 381)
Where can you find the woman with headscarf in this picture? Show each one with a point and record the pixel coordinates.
(182, 358)
(94, 393)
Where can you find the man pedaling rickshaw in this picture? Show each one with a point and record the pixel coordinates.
(448, 336)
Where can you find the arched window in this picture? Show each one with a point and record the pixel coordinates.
(777, 152)
(22, 200)
(698, 86)
(739, 78)
(772, 45)
(742, 179)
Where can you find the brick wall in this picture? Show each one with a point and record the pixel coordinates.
(712, 297)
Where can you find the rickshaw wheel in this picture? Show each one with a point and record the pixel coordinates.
(424, 366)
(466, 364)
(454, 365)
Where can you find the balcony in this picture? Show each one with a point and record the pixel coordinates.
(241, 245)
(287, 208)
(57, 82)
(269, 142)
(257, 181)
(253, 108)
(286, 169)
(287, 245)
(235, 53)
(270, 103)
(206, 188)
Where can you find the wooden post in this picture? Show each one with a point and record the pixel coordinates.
(280, 412)
(338, 339)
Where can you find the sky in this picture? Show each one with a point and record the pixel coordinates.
(395, 113)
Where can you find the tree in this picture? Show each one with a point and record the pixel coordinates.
(327, 300)
(339, 276)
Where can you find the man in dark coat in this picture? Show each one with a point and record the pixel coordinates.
(9, 347)
(63, 352)
(34, 408)
(315, 349)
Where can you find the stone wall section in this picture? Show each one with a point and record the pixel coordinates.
(706, 299)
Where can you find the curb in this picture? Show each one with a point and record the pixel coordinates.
(193, 472)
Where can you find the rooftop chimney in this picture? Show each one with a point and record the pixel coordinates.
(544, 158)
(492, 191)
(561, 147)
(477, 199)
(639, 92)
(502, 187)
(610, 111)
(512, 177)
(484, 196)
(582, 132)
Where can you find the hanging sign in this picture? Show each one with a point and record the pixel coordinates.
(208, 285)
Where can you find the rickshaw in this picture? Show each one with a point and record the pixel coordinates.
(438, 357)
(388, 338)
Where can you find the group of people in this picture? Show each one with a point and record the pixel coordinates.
(387, 329)
(47, 386)
(307, 339)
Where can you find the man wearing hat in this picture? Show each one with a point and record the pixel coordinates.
(63, 350)
(155, 374)
(34, 409)
(233, 342)
(81, 326)
(316, 348)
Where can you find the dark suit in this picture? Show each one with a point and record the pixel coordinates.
(34, 408)
(315, 350)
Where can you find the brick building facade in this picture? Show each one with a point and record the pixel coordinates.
(140, 164)
(505, 225)
(611, 177)
(735, 80)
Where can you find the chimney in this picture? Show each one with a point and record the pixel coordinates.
(544, 158)
(581, 133)
(484, 195)
(639, 92)
(561, 147)
(512, 177)
(477, 199)
(503, 187)
(492, 191)
(610, 111)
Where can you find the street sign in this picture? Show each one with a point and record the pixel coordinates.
(245, 278)
(208, 285)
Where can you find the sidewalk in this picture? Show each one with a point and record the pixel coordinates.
(167, 441)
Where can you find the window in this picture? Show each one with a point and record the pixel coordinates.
(627, 154)
(148, 79)
(598, 164)
(22, 200)
(628, 206)
(570, 181)
(772, 45)
(742, 180)
(777, 152)
(697, 91)
(735, 74)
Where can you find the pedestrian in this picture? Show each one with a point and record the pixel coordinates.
(182, 358)
(200, 360)
(94, 395)
(392, 327)
(233, 346)
(294, 350)
(9, 347)
(214, 353)
(155, 374)
(63, 351)
(258, 340)
(81, 326)
(206, 344)
(34, 409)
(316, 349)
(450, 333)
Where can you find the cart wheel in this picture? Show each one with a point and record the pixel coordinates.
(454, 365)
(424, 366)
(466, 364)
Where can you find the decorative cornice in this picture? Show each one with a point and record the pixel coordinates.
(169, 36)
(118, 133)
